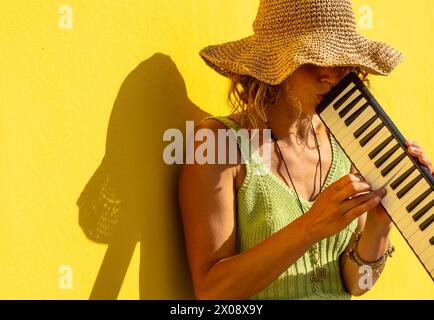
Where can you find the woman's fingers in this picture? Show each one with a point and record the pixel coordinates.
(426, 162)
(345, 180)
(360, 200)
(352, 188)
(362, 207)
(416, 150)
(334, 209)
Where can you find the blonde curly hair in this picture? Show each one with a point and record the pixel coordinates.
(250, 98)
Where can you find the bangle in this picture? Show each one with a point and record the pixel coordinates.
(354, 256)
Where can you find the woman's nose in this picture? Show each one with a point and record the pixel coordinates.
(333, 75)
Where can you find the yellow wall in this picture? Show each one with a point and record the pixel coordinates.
(93, 101)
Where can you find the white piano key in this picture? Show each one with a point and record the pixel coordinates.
(421, 184)
(419, 241)
(422, 246)
(329, 111)
(331, 116)
(394, 174)
(427, 254)
(367, 164)
(372, 174)
(334, 120)
(408, 167)
(412, 176)
(346, 141)
(370, 165)
(355, 95)
(391, 198)
(375, 178)
(424, 249)
(338, 125)
(423, 203)
(388, 200)
(408, 226)
(411, 195)
(341, 128)
(328, 114)
(430, 264)
(397, 209)
(356, 151)
(356, 107)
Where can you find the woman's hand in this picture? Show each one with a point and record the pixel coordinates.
(339, 204)
(415, 150)
(377, 218)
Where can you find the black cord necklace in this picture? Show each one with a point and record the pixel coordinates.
(319, 272)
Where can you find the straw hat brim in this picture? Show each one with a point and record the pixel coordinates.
(272, 61)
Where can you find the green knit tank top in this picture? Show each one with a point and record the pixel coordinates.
(265, 204)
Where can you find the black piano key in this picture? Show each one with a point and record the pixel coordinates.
(364, 127)
(408, 187)
(422, 211)
(427, 222)
(386, 156)
(392, 165)
(418, 200)
(380, 147)
(346, 96)
(357, 113)
(431, 241)
(371, 134)
(351, 105)
(395, 184)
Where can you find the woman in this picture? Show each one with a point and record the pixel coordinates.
(308, 228)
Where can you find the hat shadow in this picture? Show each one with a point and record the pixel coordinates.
(132, 196)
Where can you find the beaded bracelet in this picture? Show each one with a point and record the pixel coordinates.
(354, 256)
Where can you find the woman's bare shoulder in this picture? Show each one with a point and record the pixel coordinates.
(211, 123)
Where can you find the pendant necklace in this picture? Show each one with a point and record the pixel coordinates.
(319, 273)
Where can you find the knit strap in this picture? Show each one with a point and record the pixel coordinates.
(248, 152)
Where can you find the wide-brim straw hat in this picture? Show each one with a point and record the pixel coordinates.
(290, 33)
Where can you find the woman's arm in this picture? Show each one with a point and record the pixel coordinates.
(208, 208)
(372, 245)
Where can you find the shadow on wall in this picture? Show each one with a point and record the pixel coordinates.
(132, 196)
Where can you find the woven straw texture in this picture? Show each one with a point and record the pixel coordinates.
(290, 33)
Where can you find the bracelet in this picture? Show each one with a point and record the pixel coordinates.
(354, 256)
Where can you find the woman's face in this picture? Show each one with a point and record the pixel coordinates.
(310, 83)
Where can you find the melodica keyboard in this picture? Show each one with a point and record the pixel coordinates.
(377, 150)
